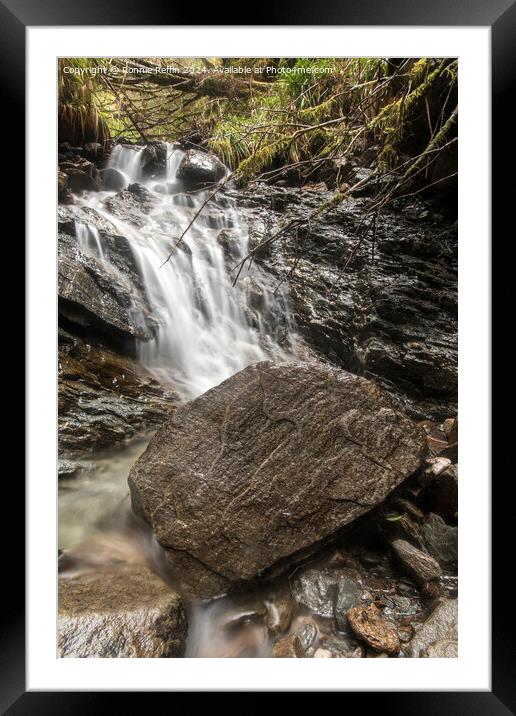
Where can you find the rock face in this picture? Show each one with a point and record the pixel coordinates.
(82, 174)
(107, 299)
(104, 398)
(130, 203)
(105, 395)
(124, 611)
(394, 318)
(266, 465)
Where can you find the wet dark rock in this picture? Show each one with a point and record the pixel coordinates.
(93, 151)
(365, 175)
(373, 630)
(405, 588)
(410, 508)
(103, 298)
(82, 174)
(153, 159)
(451, 429)
(421, 566)
(120, 612)
(68, 216)
(247, 608)
(443, 493)
(402, 527)
(104, 398)
(328, 592)
(432, 590)
(71, 468)
(230, 243)
(198, 169)
(394, 319)
(265, 466)
(254, 293)
(440, 541)
(111, 179)
(442, 624)
(130, 203)
(298, 645)
(64, 194)
(339, 647)
(79, 181)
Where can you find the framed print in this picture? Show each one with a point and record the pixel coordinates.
(258, 292)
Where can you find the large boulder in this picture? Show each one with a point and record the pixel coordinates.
(255, 473)
(198, 169)
(111, 179)
(154, 159)
(123, 611)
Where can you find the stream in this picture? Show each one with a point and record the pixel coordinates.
(208, 329)
(172, 254)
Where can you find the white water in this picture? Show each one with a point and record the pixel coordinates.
(90, 240)
(207, 328)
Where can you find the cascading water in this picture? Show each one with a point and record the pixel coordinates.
(208, 327)
(90, 240)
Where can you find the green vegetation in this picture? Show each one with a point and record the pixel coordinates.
(269, 117)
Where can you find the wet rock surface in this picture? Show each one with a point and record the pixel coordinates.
(393, 317)
(441, 541)
(374, 631)
(91, 296)
(104, 398)
(421, 566)
(441, 625)
(200, 168)
(82, 174)
(328, 592)
(129, 203)
(275, 459)
(120, 612)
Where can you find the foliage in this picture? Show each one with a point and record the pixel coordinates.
(267, 116)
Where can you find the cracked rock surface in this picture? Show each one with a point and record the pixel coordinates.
(257, 472)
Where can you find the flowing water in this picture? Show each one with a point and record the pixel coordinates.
(208, 330)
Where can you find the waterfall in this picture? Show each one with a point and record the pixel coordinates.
(90, 240)
(127, 159)
(208, 328)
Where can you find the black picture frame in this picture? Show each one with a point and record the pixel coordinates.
(500, 15)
